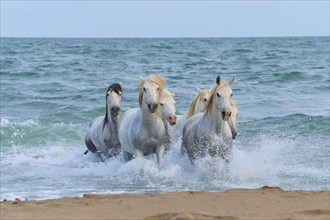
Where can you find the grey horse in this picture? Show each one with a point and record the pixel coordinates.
(102, 134)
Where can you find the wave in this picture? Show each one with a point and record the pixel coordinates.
(239, 50)
(33, 134)
(162, 46)
(63, 168)
(290, 76)
(291, 125)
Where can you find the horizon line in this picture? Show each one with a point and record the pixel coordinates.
(279, 36)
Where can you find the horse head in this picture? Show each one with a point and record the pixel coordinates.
(167, 107)
(220, 97)
(204, 95)
(113, 98)
(151, 89)
(199, 102)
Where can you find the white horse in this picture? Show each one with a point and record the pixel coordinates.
(197, 105)
(102, 134)
(168, 109)
(209, 132)
(142, 131)
(233, 119)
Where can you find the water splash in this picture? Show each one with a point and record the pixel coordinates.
(66, 171)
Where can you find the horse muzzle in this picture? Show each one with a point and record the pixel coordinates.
(234, 134)
(115, 111)
(226, 114)
(152, 107)
(172, 120)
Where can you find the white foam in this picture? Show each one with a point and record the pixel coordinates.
(268, 162)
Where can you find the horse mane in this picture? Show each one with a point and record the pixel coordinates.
(199, 95)
(192, 106)
(167, 93)
(157, 79)
(117, 88)
(209, 104)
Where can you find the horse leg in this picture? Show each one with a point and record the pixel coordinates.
(127, 156)
(160, 155)
(89, 144)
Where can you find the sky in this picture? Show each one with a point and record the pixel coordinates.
(61, 18)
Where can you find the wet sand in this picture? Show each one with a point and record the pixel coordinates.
(262, 203)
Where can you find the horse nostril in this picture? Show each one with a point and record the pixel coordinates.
(154, 106)
(149, 106)
(229, 113)
(172, 119)
(115, 109)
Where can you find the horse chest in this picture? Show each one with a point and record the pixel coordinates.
(148, 141)
(110, 138)
(149, 146)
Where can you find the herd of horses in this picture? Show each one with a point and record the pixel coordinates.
(208, 127)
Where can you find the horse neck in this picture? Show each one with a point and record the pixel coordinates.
(148, 119)
(217, 123)
(110, 122)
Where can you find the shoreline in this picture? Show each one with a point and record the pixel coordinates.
(261, 203)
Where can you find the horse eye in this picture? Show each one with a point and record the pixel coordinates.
(205, 100)
(158, 89)
(218, 95)
(161, 104)
(231, 94)
(144, 88)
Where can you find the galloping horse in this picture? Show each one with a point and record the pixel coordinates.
(102, 134)
(167, 109)
(209, 132)
(142, 131)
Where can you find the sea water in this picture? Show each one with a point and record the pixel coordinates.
(52, 88)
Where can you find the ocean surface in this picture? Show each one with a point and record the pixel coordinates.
(52, 88)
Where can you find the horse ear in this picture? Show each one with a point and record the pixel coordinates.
(106, 85)
(218, 80)
(230, 82)
(198, 89)
(141, 78)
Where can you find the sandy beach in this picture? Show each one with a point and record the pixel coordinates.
(262, 203)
